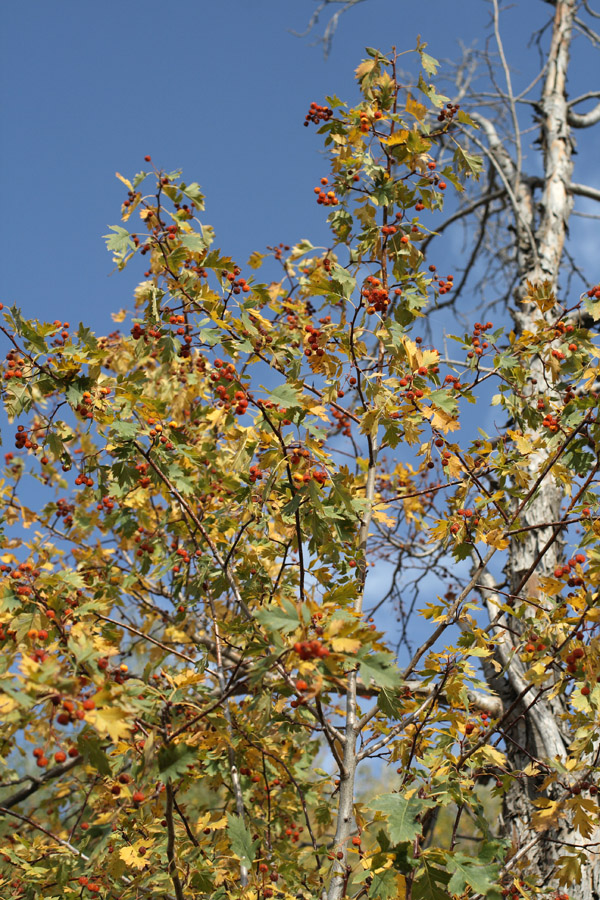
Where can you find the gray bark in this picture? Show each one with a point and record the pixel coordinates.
(535, 732)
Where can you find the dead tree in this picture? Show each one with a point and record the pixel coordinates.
(518, 225)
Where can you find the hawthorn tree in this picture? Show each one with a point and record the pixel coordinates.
(195, 671)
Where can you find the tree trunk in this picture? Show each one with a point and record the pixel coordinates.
(534, 731)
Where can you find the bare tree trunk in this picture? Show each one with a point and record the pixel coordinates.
(535, 730)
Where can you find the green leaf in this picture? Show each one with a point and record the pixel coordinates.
(193, 242)
(389, 704)
(241, 844)
(483, 878)
(466, 162)
(384, 885)
(430, 884)
(194, 193)
(285, 395)
(429, 63)
(90, 748)
(174, 759)
(119, 242)
(402, 824)
(277, 619)
(127, 430)
(380, 668)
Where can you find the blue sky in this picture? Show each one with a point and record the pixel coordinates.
(219, 89)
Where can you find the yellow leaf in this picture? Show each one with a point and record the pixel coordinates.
(546, 816)
(125, 181)
(523, 443)
(7, 704)
(9, 558)
(364, 68)
(381, 516)
(120, 316)
(416, 109)
(190, 676)
(345, 645)
(585, 815)
(264, 322)
(28, 517)
(397, 138)
(110, 721)
(440, 419)
(494, 756)
(495, 538)
(568, 870)
(132, 855)
(541, 294)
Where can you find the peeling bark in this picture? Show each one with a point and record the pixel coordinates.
(534, 730)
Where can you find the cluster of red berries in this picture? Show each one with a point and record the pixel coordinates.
(447, 114)
(578, 559)
(71, 711)
(144, 545)
(316, 114)
(325, 198)
(471, 726)
(23, 576)
(118, 673)
(365, 120)
(342, 423)
(107, 504)
(22, 439)
(237, 284)
(256, 473)
(184, 556)
(453, 382)
(279, 250)
(314, 335)
(573, 660)
(65, 510)
(59, 757)
(412, 393)
(143, 479)
(14, 365)
(138, 331)
(515, 892)
(63, 337)
(375, 296)
(550, 422)
(311, 650)
(479, 329)
(228, 373)
(594, 292)
(531, 647)
(155, 432)
(131, 196)
(445, 285)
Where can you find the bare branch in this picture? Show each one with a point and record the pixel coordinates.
(331, 26)
(584, 120)
(584, 190)
(37, 783)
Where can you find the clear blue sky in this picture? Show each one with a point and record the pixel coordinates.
(218, 88)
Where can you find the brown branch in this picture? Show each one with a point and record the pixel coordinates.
(172, 867)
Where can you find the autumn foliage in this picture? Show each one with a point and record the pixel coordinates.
(191, 677)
